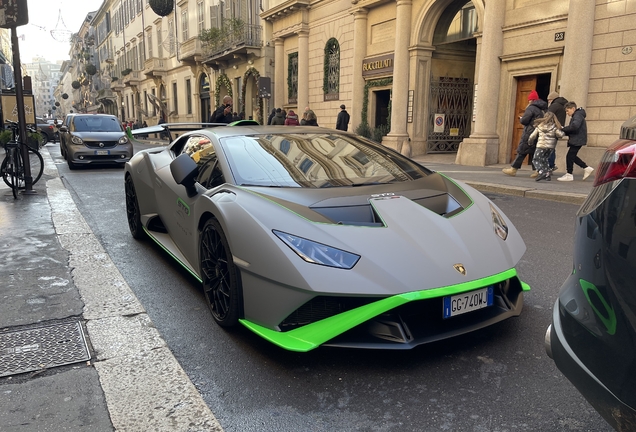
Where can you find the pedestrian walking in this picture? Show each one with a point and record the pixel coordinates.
(546, 131)
(223, 114)
(292, 119)
(311, 120)
(303, 120)
(577, 138)
(278, 119)
(271, 116)
(342, 122)
(535, 109)
(556, 104)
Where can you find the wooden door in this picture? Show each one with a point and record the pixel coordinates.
(525, 85)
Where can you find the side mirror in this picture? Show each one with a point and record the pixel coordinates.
(184, 170)
(63, 128)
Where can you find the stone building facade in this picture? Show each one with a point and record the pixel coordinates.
(459, 72)
(448, 76)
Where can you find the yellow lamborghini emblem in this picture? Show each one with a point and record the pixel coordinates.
(460, 268)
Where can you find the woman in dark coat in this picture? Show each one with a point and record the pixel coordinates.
(535, 109)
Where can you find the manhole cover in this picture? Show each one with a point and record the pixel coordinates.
(42, 348)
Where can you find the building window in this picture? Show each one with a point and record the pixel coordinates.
(175, 106)
(184, 25)
(200, 17)
(188, 96)
(159, 43)
(331, 80)
(292, 77)
(149, 38)
(170, 37)
(154, 105)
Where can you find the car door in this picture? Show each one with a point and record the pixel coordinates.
(175, 206)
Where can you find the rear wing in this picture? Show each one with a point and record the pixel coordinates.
(167, 129)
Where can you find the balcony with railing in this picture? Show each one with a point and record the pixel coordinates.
(132, 79)
(191, 50)
(155, 67)
(238, 43)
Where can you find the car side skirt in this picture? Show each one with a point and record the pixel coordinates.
(166, 243)
(312, 335)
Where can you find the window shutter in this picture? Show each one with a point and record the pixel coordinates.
(214, 16)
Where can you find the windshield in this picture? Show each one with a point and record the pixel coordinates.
(315, 161)
(94, 123)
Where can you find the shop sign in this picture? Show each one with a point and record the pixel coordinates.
(382, 65)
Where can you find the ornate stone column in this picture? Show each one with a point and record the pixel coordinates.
(303, 70)
(279, 75)
(398, 135)
(359, 53)
(578, 52)
(482, 147)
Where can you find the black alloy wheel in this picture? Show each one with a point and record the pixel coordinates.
(221, 281)
(132, 210)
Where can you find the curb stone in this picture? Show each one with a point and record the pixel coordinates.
(144, 385)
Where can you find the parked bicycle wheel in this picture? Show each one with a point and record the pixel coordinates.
(10, 168)
(14, 175)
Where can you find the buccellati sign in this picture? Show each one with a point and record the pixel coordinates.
(382, 65)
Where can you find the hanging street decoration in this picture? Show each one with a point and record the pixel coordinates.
(162, 7)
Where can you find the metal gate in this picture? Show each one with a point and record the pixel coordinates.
(452, 98)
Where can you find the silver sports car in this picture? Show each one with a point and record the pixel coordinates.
(311, 236)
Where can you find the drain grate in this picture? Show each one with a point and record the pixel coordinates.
(42, 348)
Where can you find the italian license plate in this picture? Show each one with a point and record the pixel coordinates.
(468, 302)
(102, 152)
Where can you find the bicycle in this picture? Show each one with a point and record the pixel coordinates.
(12, 168)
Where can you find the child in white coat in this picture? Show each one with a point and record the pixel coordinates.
(548, 128)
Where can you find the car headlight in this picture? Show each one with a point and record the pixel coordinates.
(123, 140)
(77, 140)
(501, 229)
(318, 253)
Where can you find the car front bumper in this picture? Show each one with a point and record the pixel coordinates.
(619, 415)
(82, 155)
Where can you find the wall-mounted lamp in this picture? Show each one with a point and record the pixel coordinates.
(250, 62)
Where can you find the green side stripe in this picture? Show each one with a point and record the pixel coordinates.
(312, 335)
(172, 255)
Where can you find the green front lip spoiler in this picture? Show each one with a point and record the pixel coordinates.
(312, 335)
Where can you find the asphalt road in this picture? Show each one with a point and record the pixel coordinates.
(497, 379)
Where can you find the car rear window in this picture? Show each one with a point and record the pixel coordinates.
(315, 161)
(96, 124)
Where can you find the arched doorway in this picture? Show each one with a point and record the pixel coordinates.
(223, 88)
(204, 94)
(252, 104)
(451, 78)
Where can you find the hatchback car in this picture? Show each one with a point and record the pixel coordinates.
(94, 139)
(46, 129)
(592, 338)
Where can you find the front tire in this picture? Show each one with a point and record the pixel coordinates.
(132, 210)
(221, 281)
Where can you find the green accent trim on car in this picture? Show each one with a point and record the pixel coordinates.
(462, 189)
(182, 204)
(196, 276)
(312, 335)
(608, 321)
